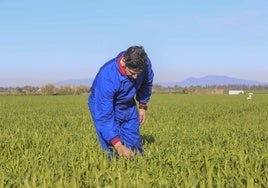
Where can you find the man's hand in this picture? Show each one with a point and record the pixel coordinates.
(142, 114)
(123, 150)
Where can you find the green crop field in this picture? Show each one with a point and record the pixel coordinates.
(189, 141)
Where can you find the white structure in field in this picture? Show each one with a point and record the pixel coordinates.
(250, 96)
(236, 92)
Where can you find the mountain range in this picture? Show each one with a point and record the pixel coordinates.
(192, 81)
(213, 80)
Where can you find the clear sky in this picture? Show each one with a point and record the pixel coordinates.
(55, 40)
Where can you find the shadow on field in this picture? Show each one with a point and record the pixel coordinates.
(147, 139)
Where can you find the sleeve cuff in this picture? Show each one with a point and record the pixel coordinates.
(115, 140)
(142, 104)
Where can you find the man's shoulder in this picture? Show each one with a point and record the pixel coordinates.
(108, 67)
(109, 70)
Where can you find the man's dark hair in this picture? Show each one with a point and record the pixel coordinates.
(136, 58)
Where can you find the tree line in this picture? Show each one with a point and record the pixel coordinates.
(50, 89)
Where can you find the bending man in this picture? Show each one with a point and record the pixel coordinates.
(112, 103)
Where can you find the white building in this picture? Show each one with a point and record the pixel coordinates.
(236, 92)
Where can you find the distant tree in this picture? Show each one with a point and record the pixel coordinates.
(29, 90)
(185, 91)
(48, 89)
(14, 91)
(82, 89)
(66, 90)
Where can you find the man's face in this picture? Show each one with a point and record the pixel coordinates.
(133, 74)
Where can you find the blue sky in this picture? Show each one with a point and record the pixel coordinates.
(49, 41)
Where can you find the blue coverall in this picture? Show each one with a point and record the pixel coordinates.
(113, 107)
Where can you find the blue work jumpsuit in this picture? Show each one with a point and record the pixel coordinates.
(113, 106)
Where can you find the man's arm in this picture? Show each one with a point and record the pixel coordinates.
(145, 91)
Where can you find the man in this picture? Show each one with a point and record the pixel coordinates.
(112, 103)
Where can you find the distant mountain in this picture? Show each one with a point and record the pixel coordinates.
(213, 80)
(76, 82)
(203, 81)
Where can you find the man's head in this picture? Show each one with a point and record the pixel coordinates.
(135, 59)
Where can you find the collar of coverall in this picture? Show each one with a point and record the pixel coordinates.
(121, 68)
